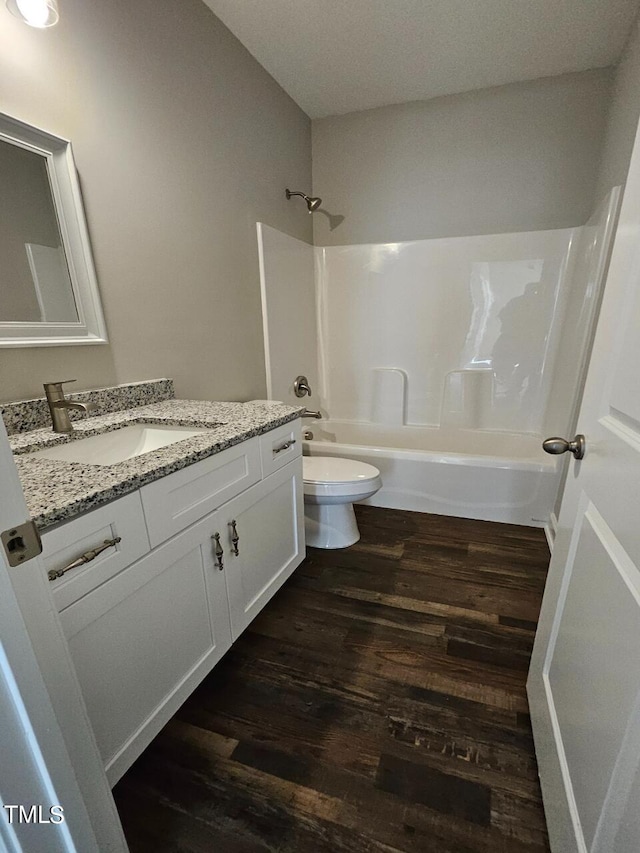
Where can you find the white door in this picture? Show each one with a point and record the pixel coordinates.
(584, 683)
(47, 753)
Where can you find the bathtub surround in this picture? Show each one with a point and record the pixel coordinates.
(445, 362)
(435, 358)
(466, 326)
(182, 141)
(521, 157)
(287, 288)
(579, 307)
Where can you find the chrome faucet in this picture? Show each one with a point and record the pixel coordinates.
(308, 413)
(59, 406)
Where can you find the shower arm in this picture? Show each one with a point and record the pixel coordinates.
(312, 202)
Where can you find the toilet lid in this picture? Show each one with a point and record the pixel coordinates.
(332, 469)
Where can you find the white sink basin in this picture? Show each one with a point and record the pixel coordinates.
(120, 444)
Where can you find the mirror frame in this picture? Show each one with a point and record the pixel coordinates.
(67, 199)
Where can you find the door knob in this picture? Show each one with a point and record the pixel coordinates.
(561, 445)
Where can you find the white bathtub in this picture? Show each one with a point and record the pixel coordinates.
(466, 473)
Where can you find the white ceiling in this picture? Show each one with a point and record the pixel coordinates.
(337, 56)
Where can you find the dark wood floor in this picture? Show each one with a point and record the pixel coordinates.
(377, 704)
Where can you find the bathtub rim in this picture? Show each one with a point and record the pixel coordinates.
(445, 458)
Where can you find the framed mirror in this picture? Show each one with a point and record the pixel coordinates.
(48, 288)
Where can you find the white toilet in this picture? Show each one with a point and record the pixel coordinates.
(331, 486)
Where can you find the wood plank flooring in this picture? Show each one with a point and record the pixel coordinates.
(377, 704)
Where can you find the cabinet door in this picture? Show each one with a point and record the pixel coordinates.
(143, 640)
(270, 526)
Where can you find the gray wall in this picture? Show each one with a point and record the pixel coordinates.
(513, 158)
(182, 143)
(624, 113)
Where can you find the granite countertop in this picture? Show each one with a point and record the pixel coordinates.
(57, 491)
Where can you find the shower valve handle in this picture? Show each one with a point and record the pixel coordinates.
(301, 386)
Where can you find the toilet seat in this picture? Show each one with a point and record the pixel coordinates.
(332, 476)
(334, 469)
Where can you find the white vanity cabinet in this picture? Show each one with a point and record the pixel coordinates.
(144, 637)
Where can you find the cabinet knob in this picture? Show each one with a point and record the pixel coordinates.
(234, 537)
(219, 552)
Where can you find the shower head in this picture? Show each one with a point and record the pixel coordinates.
(312, 203)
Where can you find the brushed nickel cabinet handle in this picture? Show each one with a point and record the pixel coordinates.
(234, 537)
(219, 552)
(87, 557)
(284, 446)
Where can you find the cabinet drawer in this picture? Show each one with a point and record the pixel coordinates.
(178, 500)
(122, 518)
(280, 445)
